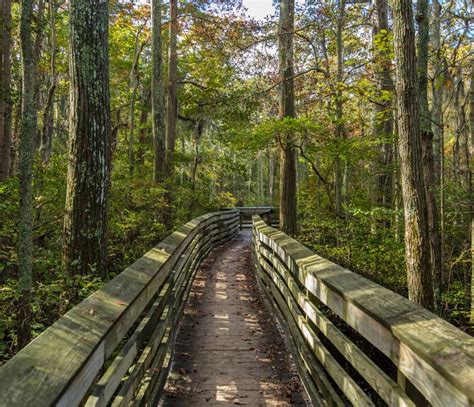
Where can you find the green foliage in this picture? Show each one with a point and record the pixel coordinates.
(362, 243)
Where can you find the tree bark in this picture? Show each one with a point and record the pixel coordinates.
(39, 19)
(134, 82)
(26, 152)
(383, 127)
(6, 104)
(271, 174)
(47, 133)
(85, 224)
(437, 90)
(288, 204)
(157, 95)
(471, 129)
(143, 133)
(417, 247)
(422, 19)
(438, 131)
(172, 95)
(339, 105)
(198, 129)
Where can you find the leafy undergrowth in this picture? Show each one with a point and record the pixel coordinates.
(364, 245)
(135, 225)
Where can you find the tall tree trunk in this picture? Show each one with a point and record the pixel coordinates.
(26, 151)
(143, 133)
(134, 82)
(157, 95)
(85, 224)
(460, 117)
(198, 128)
(417, 247)
(471, 130)
(383, 127)
(47, 133)
(422, 19)
(438, 132)
(261, 197)
(40, 21)
(339, 104)
(5, 88)
(437, 90)
(288, 215)
(172, 95)
(271, 174)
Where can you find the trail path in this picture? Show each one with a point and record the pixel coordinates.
(229, 350)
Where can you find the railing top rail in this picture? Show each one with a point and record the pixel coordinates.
(67, 353)
(434, 355)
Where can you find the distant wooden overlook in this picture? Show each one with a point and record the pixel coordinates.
(352, 341)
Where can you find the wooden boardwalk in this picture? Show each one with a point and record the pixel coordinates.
(229, 350)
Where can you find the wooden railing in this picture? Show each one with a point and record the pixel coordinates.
(399, 354)
(268, 213)
(114, 346)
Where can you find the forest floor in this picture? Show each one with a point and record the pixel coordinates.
(229, 350)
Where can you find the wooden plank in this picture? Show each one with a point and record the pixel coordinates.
(435, 356)
(305, 372)
(190, 263)
(388, 390)
(45, 370)
(150, 376)
(103, 391)
(348, 386)
(130, 385)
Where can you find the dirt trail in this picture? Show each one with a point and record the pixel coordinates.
(229, 350)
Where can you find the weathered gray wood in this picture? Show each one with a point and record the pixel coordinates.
(312, 374)
(435, 356)
(132, 382)
(388, 390)
(289, 307)
(199, 248)
(151, 375)
(63, 362)
(103, 391)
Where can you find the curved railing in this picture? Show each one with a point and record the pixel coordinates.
(425, 360)
(114, 346)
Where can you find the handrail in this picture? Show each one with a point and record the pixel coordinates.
(268, 213)
(114, 346)
(429, 359)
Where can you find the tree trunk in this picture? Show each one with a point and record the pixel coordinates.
(288, 215)
(47, 133)
(134, 82)
(471, 129)
(198, 128)
(417, 247)
(143, 133)
(338, 165)
(438, 132)
(261, 197)
(271, 174)
(39, 20)
(437, 90)
(26, 151)
(422, 19)
(172, 96)
(85, 224)
(5, 88)
(460, 124)
(383, 127)
(157, 95)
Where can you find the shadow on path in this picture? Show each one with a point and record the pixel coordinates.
(228, 349)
